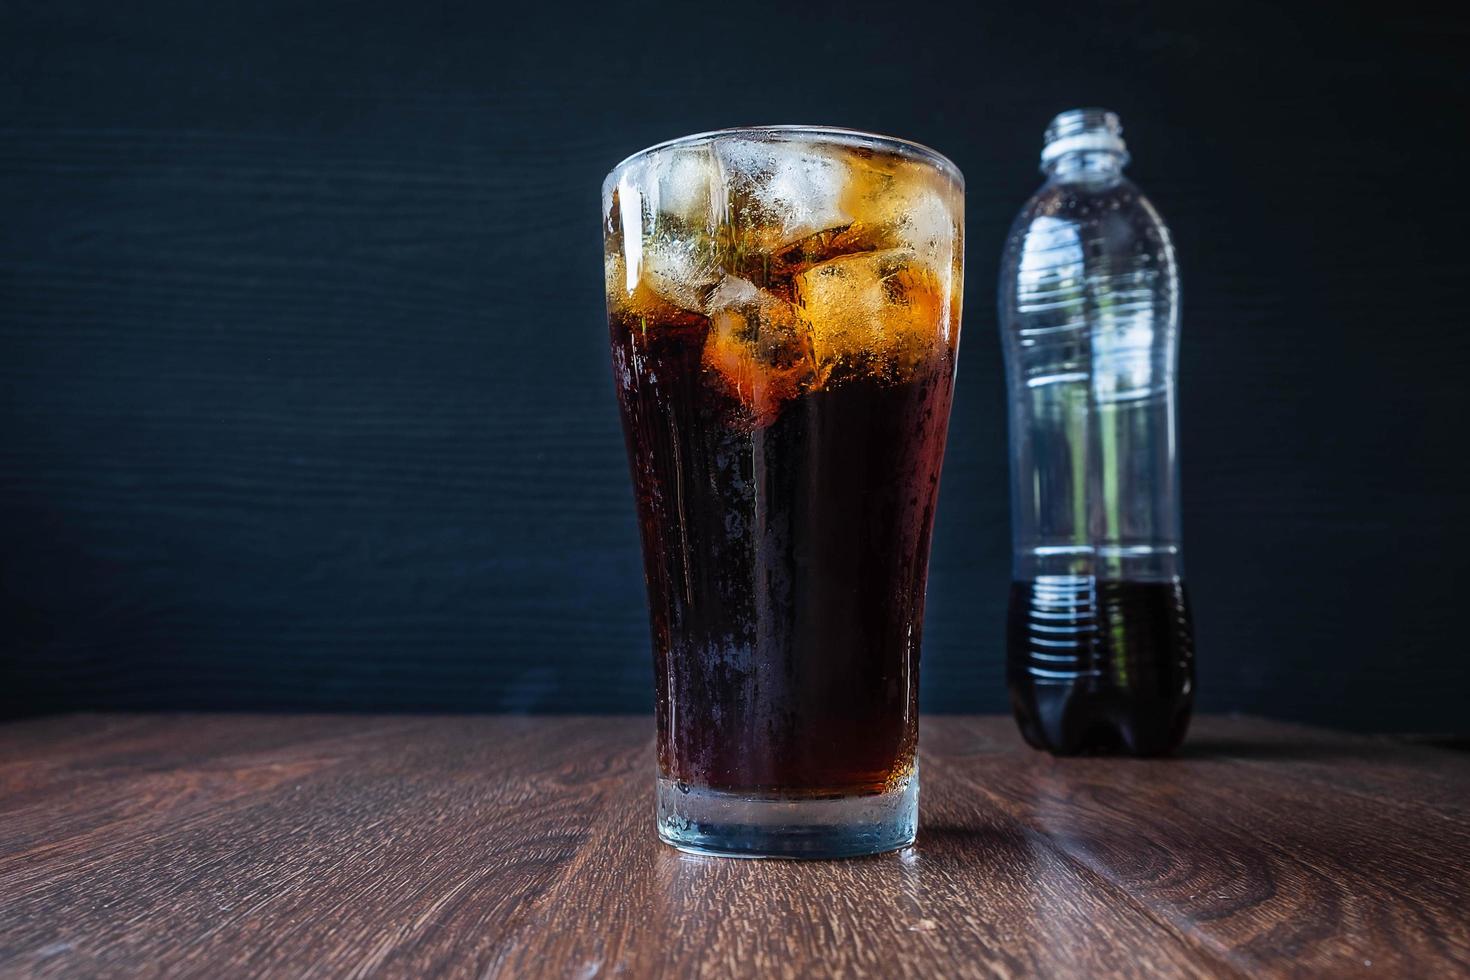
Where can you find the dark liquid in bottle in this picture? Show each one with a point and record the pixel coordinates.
(1100, 666)
(785, 559)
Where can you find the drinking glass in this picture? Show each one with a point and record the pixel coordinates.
(784, 311)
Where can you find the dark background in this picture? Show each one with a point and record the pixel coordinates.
(306, 396)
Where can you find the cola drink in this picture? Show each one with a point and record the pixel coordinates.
(784, 313)
(786, 652)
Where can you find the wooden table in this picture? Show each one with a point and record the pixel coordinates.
(222, 846)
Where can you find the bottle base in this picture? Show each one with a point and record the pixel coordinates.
(1071, 736)
(1100, 666)
(723, 824)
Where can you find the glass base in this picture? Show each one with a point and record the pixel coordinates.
(705, 821)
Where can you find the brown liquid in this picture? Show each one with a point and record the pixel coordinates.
(785, 559)
(1098, 666)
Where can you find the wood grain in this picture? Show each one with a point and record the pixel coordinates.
(314, 846)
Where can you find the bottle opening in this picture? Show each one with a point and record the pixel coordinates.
(1083, 131)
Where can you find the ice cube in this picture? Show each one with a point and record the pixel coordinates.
(679, 186)
(758, 346)
(772, 328)
(795, 189)
(884, 311)
(733, 293)
(687, 185)
(789, 260)
(639, 301)
(661, 206)
(930, 229)
(680, 268)
(906, 206)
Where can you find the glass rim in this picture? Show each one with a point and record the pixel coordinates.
(833, 134)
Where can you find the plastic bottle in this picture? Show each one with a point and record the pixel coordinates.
(1100, 647)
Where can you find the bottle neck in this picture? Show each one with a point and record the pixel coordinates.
(1087, 167)
(1085, 146)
